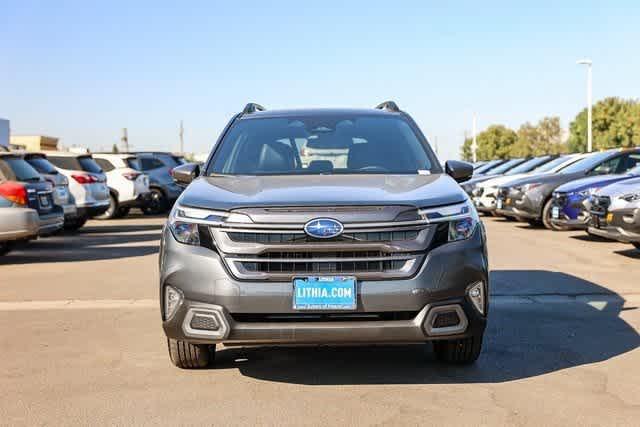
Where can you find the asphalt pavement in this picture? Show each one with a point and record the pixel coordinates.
(81, 343)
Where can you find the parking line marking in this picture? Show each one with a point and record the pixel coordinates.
(77, 304)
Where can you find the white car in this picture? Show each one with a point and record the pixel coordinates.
(128, 187)
(87, 183)
(485, 193)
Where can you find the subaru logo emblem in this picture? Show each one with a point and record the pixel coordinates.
(323, 228)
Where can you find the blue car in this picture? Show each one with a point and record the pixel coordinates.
(569, 209)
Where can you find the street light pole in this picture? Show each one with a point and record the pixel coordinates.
(589, 64)
(474, 145)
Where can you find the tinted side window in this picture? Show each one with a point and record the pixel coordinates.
(89, 165)
(608, 166)
(68, 163)
(631, 161)
(42, 165)
(17, 169)
(105, 164)
(150, 163)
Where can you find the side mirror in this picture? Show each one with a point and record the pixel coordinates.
(184, 174)
(460, 171)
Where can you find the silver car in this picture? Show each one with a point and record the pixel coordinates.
(264, 248)
(615, 212)
(16, 224)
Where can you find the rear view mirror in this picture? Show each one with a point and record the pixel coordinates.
(186, 173)
(460, 171)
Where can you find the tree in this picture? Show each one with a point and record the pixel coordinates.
(494, 142)
(616, 123)
(543, 138)
(114, 149)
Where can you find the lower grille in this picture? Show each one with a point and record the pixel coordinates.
(600, 205)
(324, 317)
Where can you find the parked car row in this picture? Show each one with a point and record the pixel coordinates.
(44, 192)
(596, 192)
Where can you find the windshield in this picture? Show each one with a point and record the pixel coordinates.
(587, 163)
(323, 144)
(528, 165)
(552, 164)
(506, 166)
(487, 166)
(17, 169)
(133, 163)
(42, 165)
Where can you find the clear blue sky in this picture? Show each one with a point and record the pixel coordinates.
(82, 71)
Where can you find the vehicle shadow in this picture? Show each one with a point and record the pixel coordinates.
(90, 243)
(523, 339)
(629, 253)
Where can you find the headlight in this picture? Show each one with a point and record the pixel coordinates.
(527, 187)
(588, 192)
(462, 218)
(631, 197)
(183, 222)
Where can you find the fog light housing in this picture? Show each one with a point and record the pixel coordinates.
(446, 319)
(477, 297)
(204, 321)
(172, 300)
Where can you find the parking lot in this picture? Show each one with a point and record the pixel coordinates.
(82, 344)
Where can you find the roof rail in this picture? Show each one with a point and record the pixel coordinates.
(388, 105)
(252, 107)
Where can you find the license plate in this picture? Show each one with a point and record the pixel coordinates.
(555, 212)
(324, 293)
(609, 218)
(499, 204)
(44, 200)
(62, 192)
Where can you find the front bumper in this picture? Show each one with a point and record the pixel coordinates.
(444, 278)
(622, 225)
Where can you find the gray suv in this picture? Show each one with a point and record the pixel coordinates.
(381, 247)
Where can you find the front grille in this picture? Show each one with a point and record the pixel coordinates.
(276, 238)
(324, 317)
(560, 199)
(374, 248)
(600, 205)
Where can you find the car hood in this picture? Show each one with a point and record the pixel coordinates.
(547, 178)
(591, 182)
(621, 188)
(231, 192)
(499, 180)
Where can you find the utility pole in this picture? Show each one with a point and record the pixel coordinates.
(181, 138)
(588, 63)
(474, 144)
(125, 140)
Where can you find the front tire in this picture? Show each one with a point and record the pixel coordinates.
(185, 355)
(462, 351)
(546, 218)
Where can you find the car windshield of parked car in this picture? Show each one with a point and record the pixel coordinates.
(528, 165)
(324, 144)
(506, 166)
(17, 169)
(489, 165)
(587, 163)
(552, 164)
(42, 165)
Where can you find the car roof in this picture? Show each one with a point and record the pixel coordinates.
(318, 112)
(65, 154)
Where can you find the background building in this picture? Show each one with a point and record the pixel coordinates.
(34, 142)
